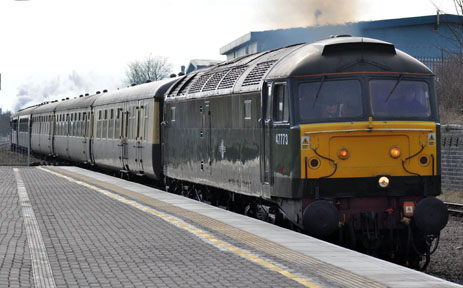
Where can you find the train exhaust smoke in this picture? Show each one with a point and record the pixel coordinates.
(276, 14)
(37, 91)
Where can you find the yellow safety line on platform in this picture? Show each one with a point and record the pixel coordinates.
(193, 230)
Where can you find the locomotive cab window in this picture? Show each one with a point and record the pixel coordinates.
(281, 105)
(325, 100)
(398, 98)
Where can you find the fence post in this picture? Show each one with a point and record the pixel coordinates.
(29, 144)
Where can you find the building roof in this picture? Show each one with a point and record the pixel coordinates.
(283, 37)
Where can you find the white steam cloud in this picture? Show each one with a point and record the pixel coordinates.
(35, 92)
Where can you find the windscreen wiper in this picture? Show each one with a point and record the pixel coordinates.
(393, 88)
(318, 92)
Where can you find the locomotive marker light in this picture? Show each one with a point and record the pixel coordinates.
(383, 182)
(395, 152)
(343, 153)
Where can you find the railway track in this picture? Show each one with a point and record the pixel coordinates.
(455, 209)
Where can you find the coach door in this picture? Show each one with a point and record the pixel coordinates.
(84, 133)
(124, 113)
(140, 110)
(133, 136)
(266, 122)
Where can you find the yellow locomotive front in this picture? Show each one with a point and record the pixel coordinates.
(370, 158)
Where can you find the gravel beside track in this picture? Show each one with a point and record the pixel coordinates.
(447, 261)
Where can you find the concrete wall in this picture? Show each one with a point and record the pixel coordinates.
(452, 157)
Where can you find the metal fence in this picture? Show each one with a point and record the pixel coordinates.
(452, 157)
(433, 62)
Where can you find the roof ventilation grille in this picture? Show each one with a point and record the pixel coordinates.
(257, 73)
(229, 80)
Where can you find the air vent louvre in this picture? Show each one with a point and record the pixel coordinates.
(199, 83)
(214, 81)
(229, 80)
(256, 74)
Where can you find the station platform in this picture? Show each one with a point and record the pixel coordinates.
(70, 227)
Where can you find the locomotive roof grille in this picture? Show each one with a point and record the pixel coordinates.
(197, 86)
(256, 74)
(338, 48)
(229, 80)
(214, 81)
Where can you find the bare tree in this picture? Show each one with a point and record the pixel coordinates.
(150, 69)
(448, 72)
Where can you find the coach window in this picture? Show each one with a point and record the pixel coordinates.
(60, 124)
(247, 109)
(111, 124)
(117, 126)
(98, 125)
(280, 107)
(147, 116)
(105, 125)
(73, 124)
(68, 124)
(84, 124)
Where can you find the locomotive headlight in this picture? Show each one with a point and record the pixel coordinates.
(395, 152)
(383, 182)
(343, 153)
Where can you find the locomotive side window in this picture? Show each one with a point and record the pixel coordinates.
(329, 100)
(281, 106)
(399, 99)
(247, 109)
(172, 114)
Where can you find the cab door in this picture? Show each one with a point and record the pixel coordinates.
(206, 131)
(266, 146)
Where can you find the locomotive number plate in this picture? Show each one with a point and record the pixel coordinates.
(281, 139)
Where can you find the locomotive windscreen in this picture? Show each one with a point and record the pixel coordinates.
(329, 100)
(399, 99)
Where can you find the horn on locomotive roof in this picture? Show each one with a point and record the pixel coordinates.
(105, 91)
(340, 36)
(98, 92)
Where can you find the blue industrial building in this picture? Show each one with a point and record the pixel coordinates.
(427, 38)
